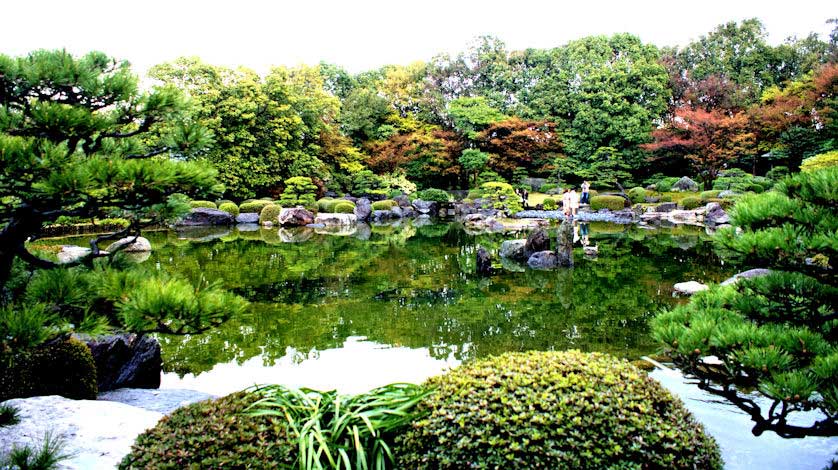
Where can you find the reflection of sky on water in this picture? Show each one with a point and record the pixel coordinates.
(356, 367)
(731, 427)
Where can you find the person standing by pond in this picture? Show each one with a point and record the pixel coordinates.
(566, 202)
(585, 192)
(573, 196)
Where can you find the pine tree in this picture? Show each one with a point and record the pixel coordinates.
(776, 333)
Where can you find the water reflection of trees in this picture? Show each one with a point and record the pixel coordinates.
(414, 287)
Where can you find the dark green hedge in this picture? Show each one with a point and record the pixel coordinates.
(553, 410)
(64, 367)
(614, 203)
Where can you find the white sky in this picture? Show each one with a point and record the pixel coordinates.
(365, 34)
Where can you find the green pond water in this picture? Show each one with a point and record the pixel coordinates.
(382, 304)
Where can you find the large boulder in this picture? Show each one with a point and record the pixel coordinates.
(484, 262)
(426, 207)
(336, 219)
(72, 253)
(295, 217)
(513, 249)
(564, 248)
(397, 212)
(715, 215)
(543, 260)
(402, 201)
(247, 218)
(751, 273)
(381, 216)
(538, 240)
(126, 360)
(205, 216)
(363, 209)
(130, 245)
(97, 434)
(685, 184)
(689, 288)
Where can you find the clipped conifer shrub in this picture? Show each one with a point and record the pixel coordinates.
(63, 367)
(323, 204)
(433, 194)
(230, 208)
(253, 206)
(636, 194)
(214, 434)
(614, 203)
(344, 207)
(270, 213)
(549, 410)
(202, 204)
(550, 204)
(690, 203)
(384, 205)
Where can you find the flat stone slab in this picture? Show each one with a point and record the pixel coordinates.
(157, 400)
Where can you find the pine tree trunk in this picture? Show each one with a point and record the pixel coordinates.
(12, 240)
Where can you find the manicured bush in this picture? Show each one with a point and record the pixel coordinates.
(323, 204)
(712, 194)
(230, 208)
(636, 194)
(253, 206)
(224, 201)
(502, 196)
(614, 203)
(553, 410)
(384, 205)
(299, 191)
(215, 434)
(689, 203)
(433, 194)
(820, 161)
(63, 367)
(344, 207)
(474, 194)
(203, 204)
(550, 204)
(270, 213)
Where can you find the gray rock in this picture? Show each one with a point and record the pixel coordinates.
(381, 215)
(363, 231)
(564, 248)
(295, 234)
(72, 253)
(543, 260)
(513, 249)
(409, 212)
(666, 207)
(130, 245)
(403, 201)
(98, 434)
(685, 184)
(247, 227)
(363, 209)
(295, 217)
(715, 215)
(202, 233)
(751, 273)
(538, 240)
(652, 199)
(126, 360)
(484, 262)
(161, 401)
(426, 207)
(397, 212)
(316, 225)
(248, 218)
(689, 288)
(204, 216)
(336, 219)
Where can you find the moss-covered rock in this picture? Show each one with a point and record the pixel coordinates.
(614, 203)
(63, 367)
(553, 410)
(214, 434)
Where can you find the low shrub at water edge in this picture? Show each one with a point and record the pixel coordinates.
(203, 204)
(323, 204)
(689, 203)
(550, 204)
(63, 367)
(384, 205)
(614, 203)
(344, 207)
(270, 213)
(433, 194)
(253, 206)
(636, 194)
(553, 410)
(230, 208)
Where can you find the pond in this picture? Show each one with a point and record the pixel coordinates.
(399, 303)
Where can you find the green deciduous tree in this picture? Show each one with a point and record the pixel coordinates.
(473, 161)
(778, 332)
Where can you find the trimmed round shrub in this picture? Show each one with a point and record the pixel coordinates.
(550, 204)
(270, 213)
(344, 207)
(230, 208)
(614, 203)
(253, 206)
(214, 434)
(323, 204)
(203, 204)
(756, 187)
(712, 194)
(433, 194)
(549, 410)
(64, 367)
(666, 198)
(689, 203)
(636, 194)
(384, 205)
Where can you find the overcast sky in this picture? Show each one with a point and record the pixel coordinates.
(365, 34)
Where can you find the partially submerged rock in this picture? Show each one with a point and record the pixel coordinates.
(543, 260)
(751, 273)
(248, 218)
(513, 249)
(126, 360)
(295, 217)
(484, 262)
(130, 245)
(689, 288)
(205, 216)
(336, 219)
